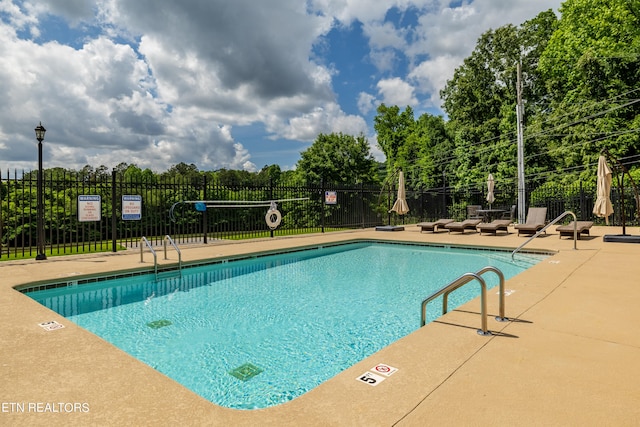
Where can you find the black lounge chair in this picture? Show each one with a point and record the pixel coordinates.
(433, 226)
(467, 224)
(582, 227)
(494, 226)
(536, 219)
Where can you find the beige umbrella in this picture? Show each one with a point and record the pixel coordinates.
(490, 185)
(603, 207)
(400, 206)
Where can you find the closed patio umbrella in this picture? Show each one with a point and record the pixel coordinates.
(490, 185)
(603, 206)
(400, 206)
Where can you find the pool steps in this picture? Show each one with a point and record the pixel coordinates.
(462, 280)
(166, 241)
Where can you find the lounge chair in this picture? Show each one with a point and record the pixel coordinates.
(433, 226)
(467, 224)
(582, 227)
(494, 226)
(536, 219)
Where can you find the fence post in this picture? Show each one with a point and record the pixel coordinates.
(582, 203)
(323, 207)
(114, 234)
(205, 221)
(271, 230)
(444, 194)
(390, 191)
(362, 203)
(1, 221)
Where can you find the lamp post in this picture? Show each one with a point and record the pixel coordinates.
(40, 130)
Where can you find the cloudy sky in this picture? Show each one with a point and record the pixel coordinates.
(222, 84)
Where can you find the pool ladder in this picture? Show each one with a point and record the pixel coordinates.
(166, 241)
(462, 280)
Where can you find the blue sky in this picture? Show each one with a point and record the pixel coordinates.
(236, 85)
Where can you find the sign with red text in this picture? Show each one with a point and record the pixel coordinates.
(330, 197)
(89, 208)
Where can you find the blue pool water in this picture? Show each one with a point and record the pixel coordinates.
(294, 319)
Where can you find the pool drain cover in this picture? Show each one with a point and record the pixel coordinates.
(246, 371)
(157, 324)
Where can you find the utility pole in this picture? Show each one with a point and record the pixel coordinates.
(520, 116)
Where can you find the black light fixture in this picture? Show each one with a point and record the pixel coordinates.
(40, 131)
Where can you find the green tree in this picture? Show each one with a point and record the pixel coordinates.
(232, 177)
(481, 97)
(132, 173)
(338, 158)
(269, 175)
(591, 66)
(426, 152)
(184, 172)
(393, 128)
(121, 168)
(89, 173)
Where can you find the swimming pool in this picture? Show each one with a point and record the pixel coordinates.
(261, 331)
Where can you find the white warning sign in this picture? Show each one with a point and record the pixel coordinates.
(89, 208)
(51, 325)
(131, 207)
(384, 369)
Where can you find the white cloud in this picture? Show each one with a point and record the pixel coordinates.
(366, 103)
(17, 18)
(385, 35)
(326, 119)
(376, 152)
(156, 82)
(431, 76)
(74, 11)
(395, 91)
(442, 37)
(384, 59)
(176, 97)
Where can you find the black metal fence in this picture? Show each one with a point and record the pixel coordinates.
(161, 209)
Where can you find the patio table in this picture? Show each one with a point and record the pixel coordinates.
(489, 215)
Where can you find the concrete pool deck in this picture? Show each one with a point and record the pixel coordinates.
(570, 356)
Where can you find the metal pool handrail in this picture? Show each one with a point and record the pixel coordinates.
(500, 317)
(465, 278)
(168, 238)
(544, 229)
(155, 256)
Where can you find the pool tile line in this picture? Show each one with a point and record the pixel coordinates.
(27, 288)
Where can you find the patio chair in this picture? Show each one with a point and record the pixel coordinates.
(433, 226)
(536, 219)
(467, 224)
(511, 214)
(472, 212)
(494, 226)
(582, 227)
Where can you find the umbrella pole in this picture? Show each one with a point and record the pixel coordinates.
(624, 219)
(389, 206)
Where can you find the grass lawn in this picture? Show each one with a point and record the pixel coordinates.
(14, 254)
